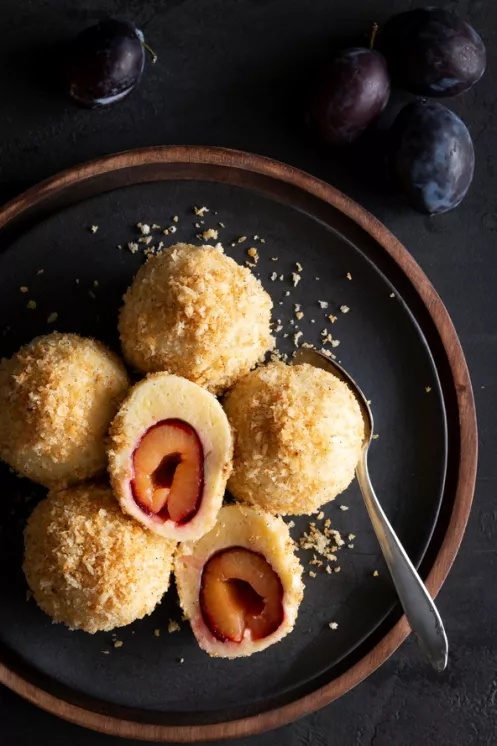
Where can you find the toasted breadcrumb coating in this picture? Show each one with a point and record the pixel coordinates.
(298, 436)
(58, 395)
(195, 312)
(90, 566)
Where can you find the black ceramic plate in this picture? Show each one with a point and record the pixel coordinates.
(48, 246)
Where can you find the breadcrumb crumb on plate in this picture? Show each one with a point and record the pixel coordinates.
(90, 566)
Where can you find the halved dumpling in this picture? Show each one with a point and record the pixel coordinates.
(170, 456)
(240, 585)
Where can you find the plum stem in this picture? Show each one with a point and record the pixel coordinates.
(151, 52)
(374, 31)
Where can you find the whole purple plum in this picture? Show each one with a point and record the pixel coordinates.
(430, 157)
(433, 52)
(352, 94)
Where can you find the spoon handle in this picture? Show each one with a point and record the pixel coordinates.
(419, 608)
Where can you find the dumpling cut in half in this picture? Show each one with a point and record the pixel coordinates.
(240, 585)
(170, 456)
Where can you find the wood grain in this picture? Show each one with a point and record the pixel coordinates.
(282, 182)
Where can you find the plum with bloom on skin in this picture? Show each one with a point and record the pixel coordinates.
(431, 157)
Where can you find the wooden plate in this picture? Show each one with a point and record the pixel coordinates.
(397, 341)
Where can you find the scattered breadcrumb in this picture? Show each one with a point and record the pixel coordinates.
(328, 569)
(144, 228)
(118, 644)
(274, 276)
(181, 660)
(155, 227)
(53, 317)
(24, 289)
(392, 295)
(241, 239)
(344, 309)
(333, 625)
(332, 318)
(312, 574)
(350, 546)
(175, 219)
(274, 258)
(145, 239)
(287, 292)
(254, 254)
(375, 436)
(221, 225)
(209, 233)
(133, 247)
(337, 569)
(351, 537)
(105, 652)
(343, 507)
(281, 277)
(40, 272)
(335, 342)
(323, 303)
(348, 276)
(299, 267)
(200, 211)
(94, 228)
(157, 632)
(427, 389)
(31, 304)
(375, 574)
(91, 294)
(296, 338)
(295, 279)
(291, 524)
(173, 626)
(320, 515)
(29, 595)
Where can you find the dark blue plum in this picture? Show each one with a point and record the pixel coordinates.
(351, 95)
(430, 157)
(106, 63)
(433, 52)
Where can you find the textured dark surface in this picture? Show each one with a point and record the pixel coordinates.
(235, 75)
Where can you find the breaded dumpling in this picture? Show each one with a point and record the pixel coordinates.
(58, 396)
(240, 585)
(195, 312)
(170, 456)
(298, 436)
(90, 566)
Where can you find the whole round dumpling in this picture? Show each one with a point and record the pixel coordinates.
(58, 395)
(240, 585)
(170, 455)
(195, 312)
(298, 437)
(90, 566)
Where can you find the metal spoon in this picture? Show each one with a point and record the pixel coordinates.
(418, 605)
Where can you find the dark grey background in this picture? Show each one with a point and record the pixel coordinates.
(236, 74)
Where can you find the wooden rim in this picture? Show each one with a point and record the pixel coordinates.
(463, 490)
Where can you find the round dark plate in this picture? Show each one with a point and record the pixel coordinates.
(396, 340)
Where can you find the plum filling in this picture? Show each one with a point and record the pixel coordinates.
(168, 465)
(240, 592)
